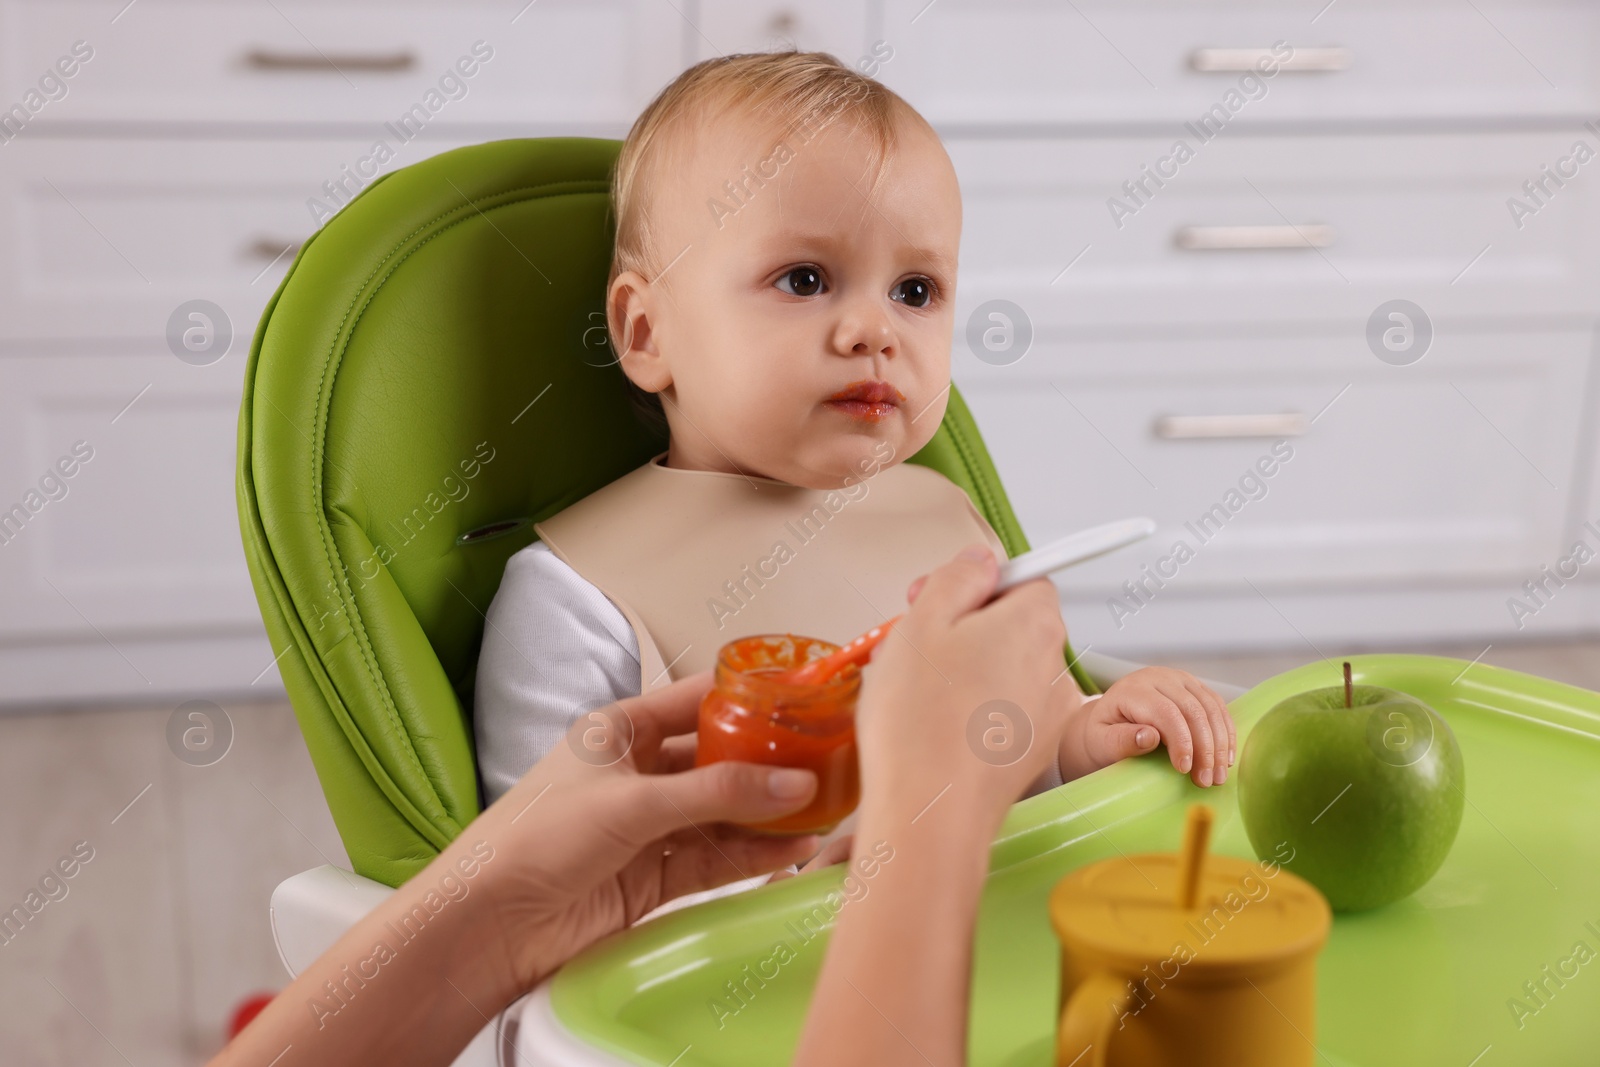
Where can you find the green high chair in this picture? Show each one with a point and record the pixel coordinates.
(430, 379)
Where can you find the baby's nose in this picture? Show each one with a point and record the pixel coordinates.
(867, 334)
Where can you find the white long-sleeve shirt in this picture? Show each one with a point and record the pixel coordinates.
(554, 647)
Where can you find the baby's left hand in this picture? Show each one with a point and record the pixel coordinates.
(1185, 713)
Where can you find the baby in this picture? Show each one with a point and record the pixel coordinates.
(782, 295)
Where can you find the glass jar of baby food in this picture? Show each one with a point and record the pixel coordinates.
(748, 716)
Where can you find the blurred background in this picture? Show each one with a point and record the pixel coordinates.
(1314, 284)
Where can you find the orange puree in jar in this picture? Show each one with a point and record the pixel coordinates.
(750, 717)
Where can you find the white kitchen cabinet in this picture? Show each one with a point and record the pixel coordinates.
(1011, 63)
(725, 26)
(1420, 216)
(104, 237)
(186, 159)
(144, 534)
(1456, 468)
(554, 63)
(121, 566)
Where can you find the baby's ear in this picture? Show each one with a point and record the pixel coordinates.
(631, 305)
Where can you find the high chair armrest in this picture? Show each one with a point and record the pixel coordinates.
(311, 910)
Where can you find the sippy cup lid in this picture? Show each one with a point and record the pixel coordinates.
(1243, 915)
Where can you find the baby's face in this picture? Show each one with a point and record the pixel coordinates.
(782, 299)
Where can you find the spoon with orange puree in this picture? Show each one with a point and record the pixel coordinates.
(1069, 550)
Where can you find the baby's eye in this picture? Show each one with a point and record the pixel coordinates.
(801, 281)
(913, 292)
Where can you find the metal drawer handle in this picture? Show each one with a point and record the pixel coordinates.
(264, 59)
(271, 248)
(1238, 60)
(1247, 238)
(1211, 427)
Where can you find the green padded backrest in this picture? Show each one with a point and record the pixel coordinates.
(429, 380)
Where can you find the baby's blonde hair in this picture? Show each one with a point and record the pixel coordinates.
(798, 93)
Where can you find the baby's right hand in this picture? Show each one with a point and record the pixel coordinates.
(961, 703)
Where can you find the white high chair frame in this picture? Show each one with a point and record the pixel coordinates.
(311, 910)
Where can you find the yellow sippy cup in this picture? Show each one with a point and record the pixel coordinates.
(1187, 959)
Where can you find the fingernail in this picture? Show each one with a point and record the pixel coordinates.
(1185, 763)
(1230, 757)
(788, 784)
(1222, 775)
(1205, 777)
(976, 552)
(1144, 738)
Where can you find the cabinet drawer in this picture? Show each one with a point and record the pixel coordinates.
(1423, 217)
(836, 26)
(102, 238)
(1096, 61)
(555, 63)
(122, 467)
(1458, 466)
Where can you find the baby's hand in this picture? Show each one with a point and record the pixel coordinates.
(1191, 718)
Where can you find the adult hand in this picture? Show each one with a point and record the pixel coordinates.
(934, 790)
(599, 832)
(618, 821)
(965, 694)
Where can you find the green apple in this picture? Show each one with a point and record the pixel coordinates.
(1367, 795)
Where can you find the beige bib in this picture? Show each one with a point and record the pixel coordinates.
(695, 559)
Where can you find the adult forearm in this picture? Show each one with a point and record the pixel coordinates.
(894, 986)
(410, 984)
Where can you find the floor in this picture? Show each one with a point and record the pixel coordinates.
(164, 929)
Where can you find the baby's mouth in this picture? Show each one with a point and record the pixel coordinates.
(868, 399)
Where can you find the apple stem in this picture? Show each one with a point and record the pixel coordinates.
(1347, 683)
